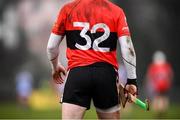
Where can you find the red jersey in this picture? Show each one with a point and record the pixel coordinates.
(92, 28)
(160, 76)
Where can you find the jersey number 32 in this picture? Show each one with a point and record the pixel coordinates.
(97, 41)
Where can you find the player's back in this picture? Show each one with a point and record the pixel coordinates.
(93, 12)
(91, 29)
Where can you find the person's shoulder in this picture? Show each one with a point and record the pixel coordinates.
(115, 6)
(116, 9)
(69, 4)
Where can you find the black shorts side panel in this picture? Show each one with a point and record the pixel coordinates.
(78, 87)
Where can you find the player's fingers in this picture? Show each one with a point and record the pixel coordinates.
(132, 91)
(56, 81)
(126, 93)
(135, 95)
(56, 78)
(60, 79)
(130, 101)
(129, 98)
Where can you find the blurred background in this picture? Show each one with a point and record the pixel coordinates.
(26, 90)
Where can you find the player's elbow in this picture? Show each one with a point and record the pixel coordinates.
(53, 45)
(52, 52)
(50, 49)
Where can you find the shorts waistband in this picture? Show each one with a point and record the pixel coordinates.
(100, 64)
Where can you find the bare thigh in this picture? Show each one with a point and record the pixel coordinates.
(71, 111)
(113, 115)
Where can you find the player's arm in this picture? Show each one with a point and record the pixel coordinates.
(128, 52)
(129, 59)
(55, 39)
(53, 49)
(53, 53)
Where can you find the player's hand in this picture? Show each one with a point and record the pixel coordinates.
(57, 74)
(132, 89)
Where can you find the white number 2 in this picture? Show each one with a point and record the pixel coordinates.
(97, 41)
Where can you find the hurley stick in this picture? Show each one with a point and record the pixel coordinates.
(123, 99)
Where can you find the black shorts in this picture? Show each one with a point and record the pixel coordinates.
(96, 82)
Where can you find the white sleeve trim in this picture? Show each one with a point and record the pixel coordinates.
(53, 46)
(129, 56)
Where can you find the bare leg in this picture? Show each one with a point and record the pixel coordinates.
(113, 115)
(71, 111)
(110, 113)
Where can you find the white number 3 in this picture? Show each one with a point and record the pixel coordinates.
(97, 41)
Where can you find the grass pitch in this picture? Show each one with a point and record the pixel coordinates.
(13, 111)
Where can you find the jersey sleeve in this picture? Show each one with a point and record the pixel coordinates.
(123, 29)
(59, 25)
